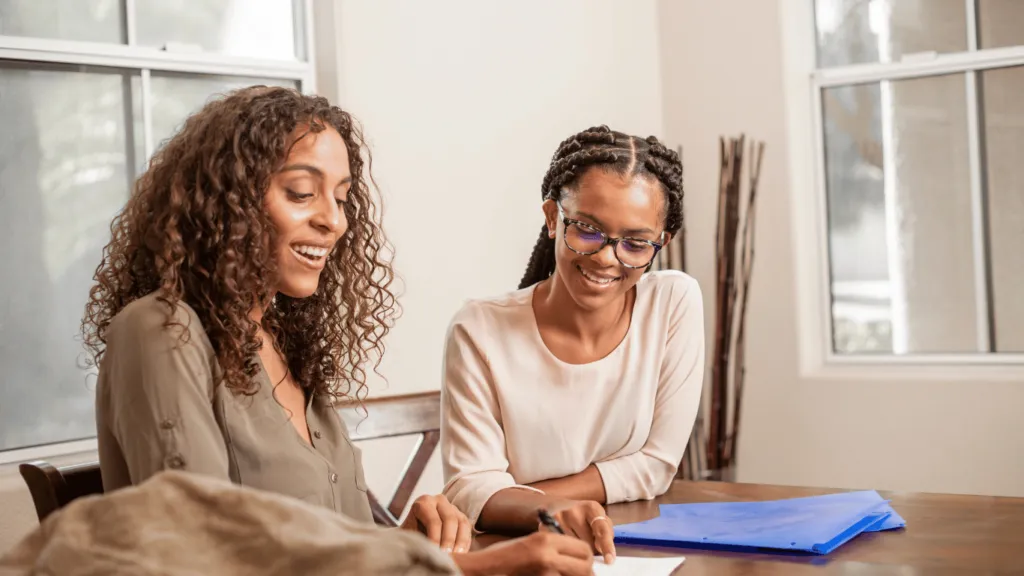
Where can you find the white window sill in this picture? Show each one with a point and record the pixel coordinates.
(935, 368)
(63, 453)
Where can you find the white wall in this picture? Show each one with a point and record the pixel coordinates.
(882, 429)
(464, 102)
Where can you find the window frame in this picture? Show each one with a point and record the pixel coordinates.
(144, 59)
(804, 84)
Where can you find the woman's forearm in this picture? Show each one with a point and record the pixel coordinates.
(514, 510)
(586, 485)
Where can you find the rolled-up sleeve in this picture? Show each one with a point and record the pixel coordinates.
(155, 395)
(472, 439)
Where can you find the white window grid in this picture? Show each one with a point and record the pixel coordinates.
(971, 63)
(145, 59)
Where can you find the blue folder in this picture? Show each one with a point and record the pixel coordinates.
(818, 524)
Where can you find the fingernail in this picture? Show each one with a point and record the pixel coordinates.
(460, 550)
(448, 550)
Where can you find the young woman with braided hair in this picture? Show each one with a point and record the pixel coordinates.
(580, 388)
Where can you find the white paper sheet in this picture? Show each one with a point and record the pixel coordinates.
(625, 565)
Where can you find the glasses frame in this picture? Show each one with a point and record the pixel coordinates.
(606, 240)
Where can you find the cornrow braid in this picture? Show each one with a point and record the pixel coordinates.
(613, 151)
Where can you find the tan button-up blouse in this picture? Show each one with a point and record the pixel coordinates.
(157, 408)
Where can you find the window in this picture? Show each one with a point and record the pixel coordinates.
(88, 89)
(921, 133)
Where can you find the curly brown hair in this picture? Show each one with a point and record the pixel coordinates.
(195, 231)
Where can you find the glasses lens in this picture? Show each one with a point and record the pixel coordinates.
(583, 239)
(635, 254)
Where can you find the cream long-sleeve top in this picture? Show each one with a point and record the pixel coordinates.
(514, 414)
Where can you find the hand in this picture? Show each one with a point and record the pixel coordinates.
(586, 520)
(442, 522)
(540, 553)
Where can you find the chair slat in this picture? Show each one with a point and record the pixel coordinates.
(392, 416)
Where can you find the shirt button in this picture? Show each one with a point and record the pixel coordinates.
(167, 424)
(334, 478)
(317, 434)
(176, 461)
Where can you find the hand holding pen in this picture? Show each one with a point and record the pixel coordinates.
(586, 521)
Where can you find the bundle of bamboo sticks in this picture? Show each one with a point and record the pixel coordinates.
(734, 264)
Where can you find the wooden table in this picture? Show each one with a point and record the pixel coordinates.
(945, 535)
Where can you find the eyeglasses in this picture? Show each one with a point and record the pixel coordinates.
(584, 239)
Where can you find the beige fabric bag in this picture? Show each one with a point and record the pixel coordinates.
(178, 523)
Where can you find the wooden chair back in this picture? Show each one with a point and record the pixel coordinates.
(53, 488)
(415, 414)
(407, 415)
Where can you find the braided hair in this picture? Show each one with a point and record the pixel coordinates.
(613, 151)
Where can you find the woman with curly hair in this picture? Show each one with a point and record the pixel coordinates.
(243, 291)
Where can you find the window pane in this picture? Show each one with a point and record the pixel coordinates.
(861, 31)
(177, 96)
(899, 205)
(1000, 23)
(65, 158)
(1004, 147)
(253, 28)
(85, 20)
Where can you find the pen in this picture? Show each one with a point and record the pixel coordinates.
(549, 521)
